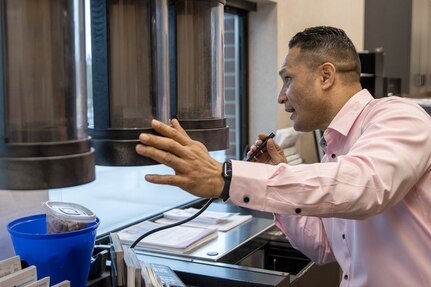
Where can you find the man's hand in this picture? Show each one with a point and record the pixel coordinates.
(273, 154)
(195, 170)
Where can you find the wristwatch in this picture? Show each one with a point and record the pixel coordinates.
(227, 176)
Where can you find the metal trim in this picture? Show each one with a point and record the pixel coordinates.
(42, 149)
(34, 173)
(118, 147)
(242, 4)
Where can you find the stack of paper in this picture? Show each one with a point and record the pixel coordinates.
(178, 239)
(222, 221)
(207, 217)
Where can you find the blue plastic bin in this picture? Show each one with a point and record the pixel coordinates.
(61, 256)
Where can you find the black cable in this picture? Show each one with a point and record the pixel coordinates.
(259, 148)
(173, 224)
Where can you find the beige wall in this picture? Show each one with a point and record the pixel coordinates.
(271, 27)
(420, 65)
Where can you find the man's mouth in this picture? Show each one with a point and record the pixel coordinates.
(290, 110)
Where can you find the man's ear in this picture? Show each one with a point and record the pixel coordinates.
(327, 75)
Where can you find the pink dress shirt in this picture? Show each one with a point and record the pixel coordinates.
(367, 205)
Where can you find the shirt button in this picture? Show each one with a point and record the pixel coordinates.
(298, 210)
(344, 236)
(346, 276)
(246, 199)
(333, 155)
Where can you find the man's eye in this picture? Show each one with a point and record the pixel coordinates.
(287, 80)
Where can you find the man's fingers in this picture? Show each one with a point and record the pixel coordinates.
(274, 152)
(257, 143)
(176, 132)
(163, 143)
(176, 125)
(262, 136)
(161, 156)
(165, 179)
(160, 179)
(251, 150)
(174, 180)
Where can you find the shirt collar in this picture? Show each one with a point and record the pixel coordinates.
(345, 118)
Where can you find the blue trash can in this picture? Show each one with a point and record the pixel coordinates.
(61, 256)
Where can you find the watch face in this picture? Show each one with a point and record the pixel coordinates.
(227, 169)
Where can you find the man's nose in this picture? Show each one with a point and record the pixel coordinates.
(282, 97)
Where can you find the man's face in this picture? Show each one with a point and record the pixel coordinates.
(301, 93)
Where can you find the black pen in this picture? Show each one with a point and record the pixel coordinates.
(261, 147)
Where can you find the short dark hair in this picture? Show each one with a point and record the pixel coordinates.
(327, 44)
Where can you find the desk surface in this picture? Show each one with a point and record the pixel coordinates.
(230, 240)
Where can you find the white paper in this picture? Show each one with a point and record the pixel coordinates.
(178, 237)
(225, 225)
(207, 217)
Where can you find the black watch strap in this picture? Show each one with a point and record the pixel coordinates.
(227, 176)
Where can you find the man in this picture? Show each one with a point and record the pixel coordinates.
(367, 205)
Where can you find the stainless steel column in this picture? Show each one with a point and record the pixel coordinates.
(43, 122)
(130, 76)
(200, 71)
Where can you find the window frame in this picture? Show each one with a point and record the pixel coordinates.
(241, 9)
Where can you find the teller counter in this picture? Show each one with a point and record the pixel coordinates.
(254, 253)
